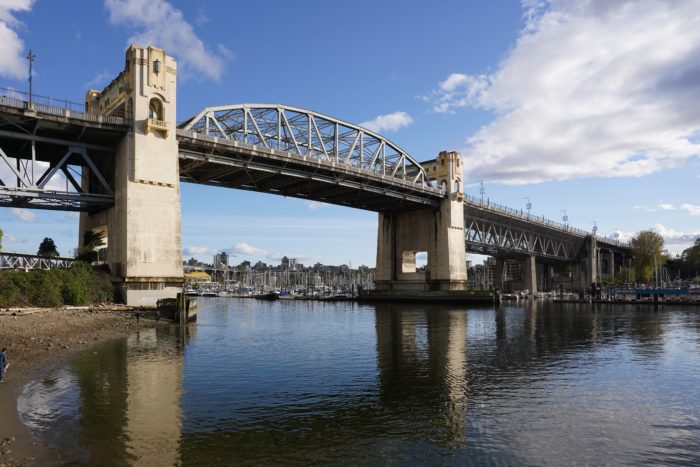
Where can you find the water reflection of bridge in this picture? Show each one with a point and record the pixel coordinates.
(432, 365)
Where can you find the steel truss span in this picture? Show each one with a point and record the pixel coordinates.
(29, 262)
(487, 237)
(308, 134)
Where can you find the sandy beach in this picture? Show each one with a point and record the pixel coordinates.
(38, 340)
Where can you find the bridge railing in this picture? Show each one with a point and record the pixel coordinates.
(27, 262)
(53, 106)
(540, 220)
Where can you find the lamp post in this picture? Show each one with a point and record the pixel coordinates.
(30, 57)
(528, 205)
(482, 190)
(565, 218)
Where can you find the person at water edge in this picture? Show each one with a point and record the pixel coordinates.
(4, 363)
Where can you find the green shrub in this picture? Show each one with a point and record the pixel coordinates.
(78, 285)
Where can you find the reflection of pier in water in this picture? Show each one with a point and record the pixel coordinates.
(428, 359)
(131, 396)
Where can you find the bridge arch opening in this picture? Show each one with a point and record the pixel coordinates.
(413, 261)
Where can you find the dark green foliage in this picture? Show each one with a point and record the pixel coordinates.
(79, 285)
(47, 248)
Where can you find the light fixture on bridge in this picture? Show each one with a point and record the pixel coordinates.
(528, 205)
(595, 227)
(565, 218)
(482, 190)
(30, 57)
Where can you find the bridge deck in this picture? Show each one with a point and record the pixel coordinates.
(220, 162)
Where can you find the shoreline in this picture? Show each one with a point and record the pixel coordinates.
(39, 340)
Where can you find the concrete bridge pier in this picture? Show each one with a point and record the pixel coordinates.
(499, 280)
(438, 233)
(530, 274)
(144, 246)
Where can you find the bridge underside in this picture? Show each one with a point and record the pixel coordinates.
(240, 166)
(42, 160)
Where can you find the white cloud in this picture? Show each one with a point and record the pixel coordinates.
(23, 214)
(158, 23)
(198, 250)
(593, 88)
(674, 237)
(674, 240)
(248, 249)
(315, 205)
(667, 206)
(12, 53)
(100, 80)
(12, 239)
(388, 123)
(692, 209)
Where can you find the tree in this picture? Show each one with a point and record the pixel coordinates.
(690, 260)
(647, 247)
(92, 240)
(0, 239)
(47, 248)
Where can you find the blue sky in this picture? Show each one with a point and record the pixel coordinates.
(589, 107)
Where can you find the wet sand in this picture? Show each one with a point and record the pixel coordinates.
(38, 340)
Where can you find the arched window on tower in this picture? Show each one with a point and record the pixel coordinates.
(155, 109)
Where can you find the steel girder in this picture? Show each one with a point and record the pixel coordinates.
(310, 134)
(28, 182)
(29, 262)
(492, 238)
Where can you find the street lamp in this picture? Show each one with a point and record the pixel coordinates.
(595, 227)
(528, 205)
(30, 57)
(565, 218)
(482, 190)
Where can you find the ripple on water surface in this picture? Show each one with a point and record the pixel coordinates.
(296, 382)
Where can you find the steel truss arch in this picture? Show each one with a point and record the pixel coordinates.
(308, 134)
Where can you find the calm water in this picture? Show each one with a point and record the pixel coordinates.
(295, 382)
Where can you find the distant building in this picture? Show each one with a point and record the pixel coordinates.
(224, 258)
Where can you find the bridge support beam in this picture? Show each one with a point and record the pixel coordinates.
(500, 272)
(144, 246)
(530, 274)
(439, 233)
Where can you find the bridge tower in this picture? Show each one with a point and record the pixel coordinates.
(437, 232)
(144, 246)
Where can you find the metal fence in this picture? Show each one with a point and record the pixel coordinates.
(540, 220)
(26, 262)
(54, 106)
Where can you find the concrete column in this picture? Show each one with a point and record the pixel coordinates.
(439, 232)
(592, 262)
(531, 274)
(500, 271)
(448, 271)
(144, 248)
(612, 264)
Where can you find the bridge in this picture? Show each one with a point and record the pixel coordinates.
(26, 262)
(120, 159)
